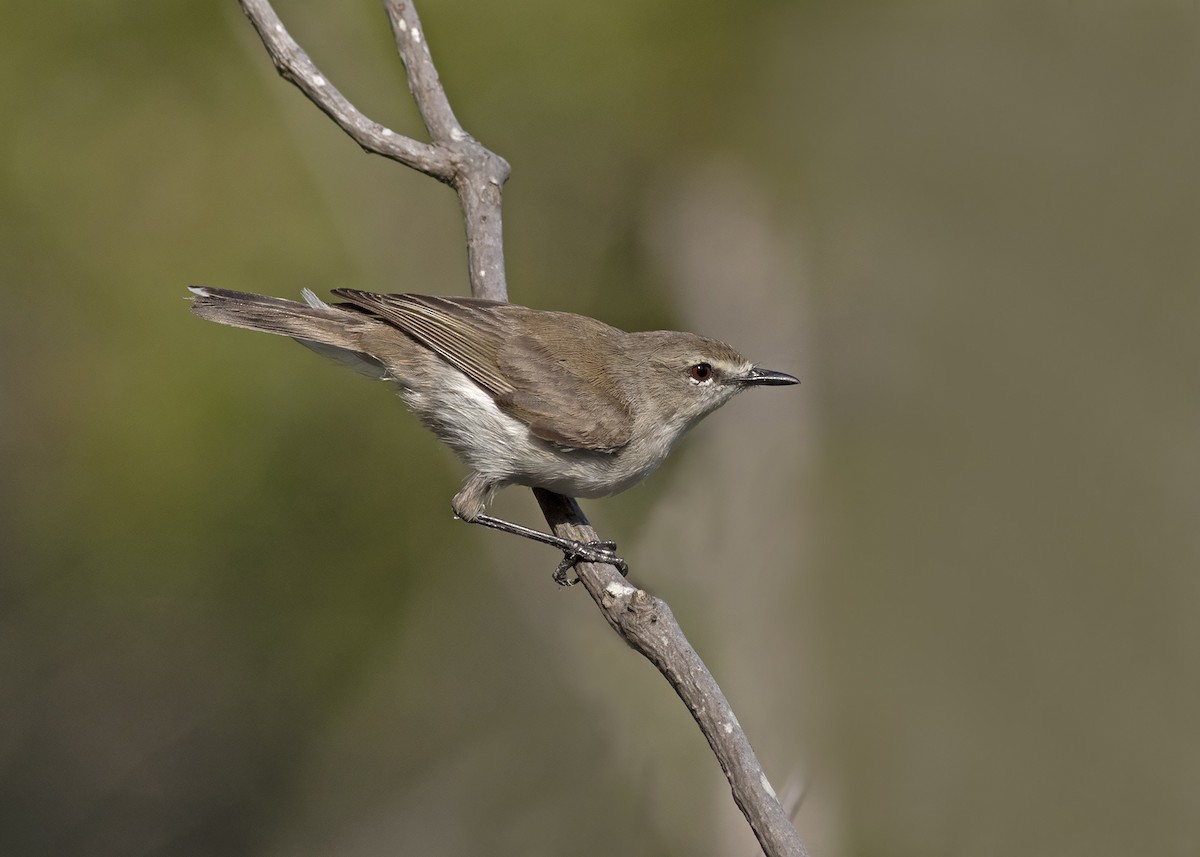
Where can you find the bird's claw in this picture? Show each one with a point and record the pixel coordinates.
(598, 552)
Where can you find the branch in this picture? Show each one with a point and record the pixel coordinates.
(477, 174)
(647, 624)
(454, 157)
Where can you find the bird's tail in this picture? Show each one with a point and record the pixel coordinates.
(332, 331)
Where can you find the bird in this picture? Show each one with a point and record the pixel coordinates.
(531, 397)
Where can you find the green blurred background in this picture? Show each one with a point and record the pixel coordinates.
(949, 583)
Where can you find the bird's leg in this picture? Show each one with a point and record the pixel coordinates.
(573, 551)
(469, 503)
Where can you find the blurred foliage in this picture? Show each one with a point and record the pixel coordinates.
(236, 617)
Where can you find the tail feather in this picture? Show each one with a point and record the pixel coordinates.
(331, 331)
(324, 324)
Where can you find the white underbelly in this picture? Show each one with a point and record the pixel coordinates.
(503, 449)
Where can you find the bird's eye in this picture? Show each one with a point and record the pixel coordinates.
(701, 372)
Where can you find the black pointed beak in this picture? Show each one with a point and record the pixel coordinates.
(766, 378)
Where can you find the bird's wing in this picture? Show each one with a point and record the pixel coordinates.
(476, 337)
(462, 331)
(556, 404)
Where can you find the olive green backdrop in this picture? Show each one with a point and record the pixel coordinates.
(950, 583)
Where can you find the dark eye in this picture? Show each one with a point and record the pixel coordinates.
(701, 372)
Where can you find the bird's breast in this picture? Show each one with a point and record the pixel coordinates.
(502, 448)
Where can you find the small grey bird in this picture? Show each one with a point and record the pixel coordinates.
(525, 397)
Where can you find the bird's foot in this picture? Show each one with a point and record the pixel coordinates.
(598, 552)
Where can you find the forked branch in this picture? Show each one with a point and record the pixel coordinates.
(477, 174)
(454, 157)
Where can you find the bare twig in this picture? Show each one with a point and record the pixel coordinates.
(479, 174)
(294, 65)
(647, 624)
(423, 80)
(454, 157)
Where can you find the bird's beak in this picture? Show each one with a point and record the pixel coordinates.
(766, 378)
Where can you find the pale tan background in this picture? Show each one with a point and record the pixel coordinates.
(950, 582)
